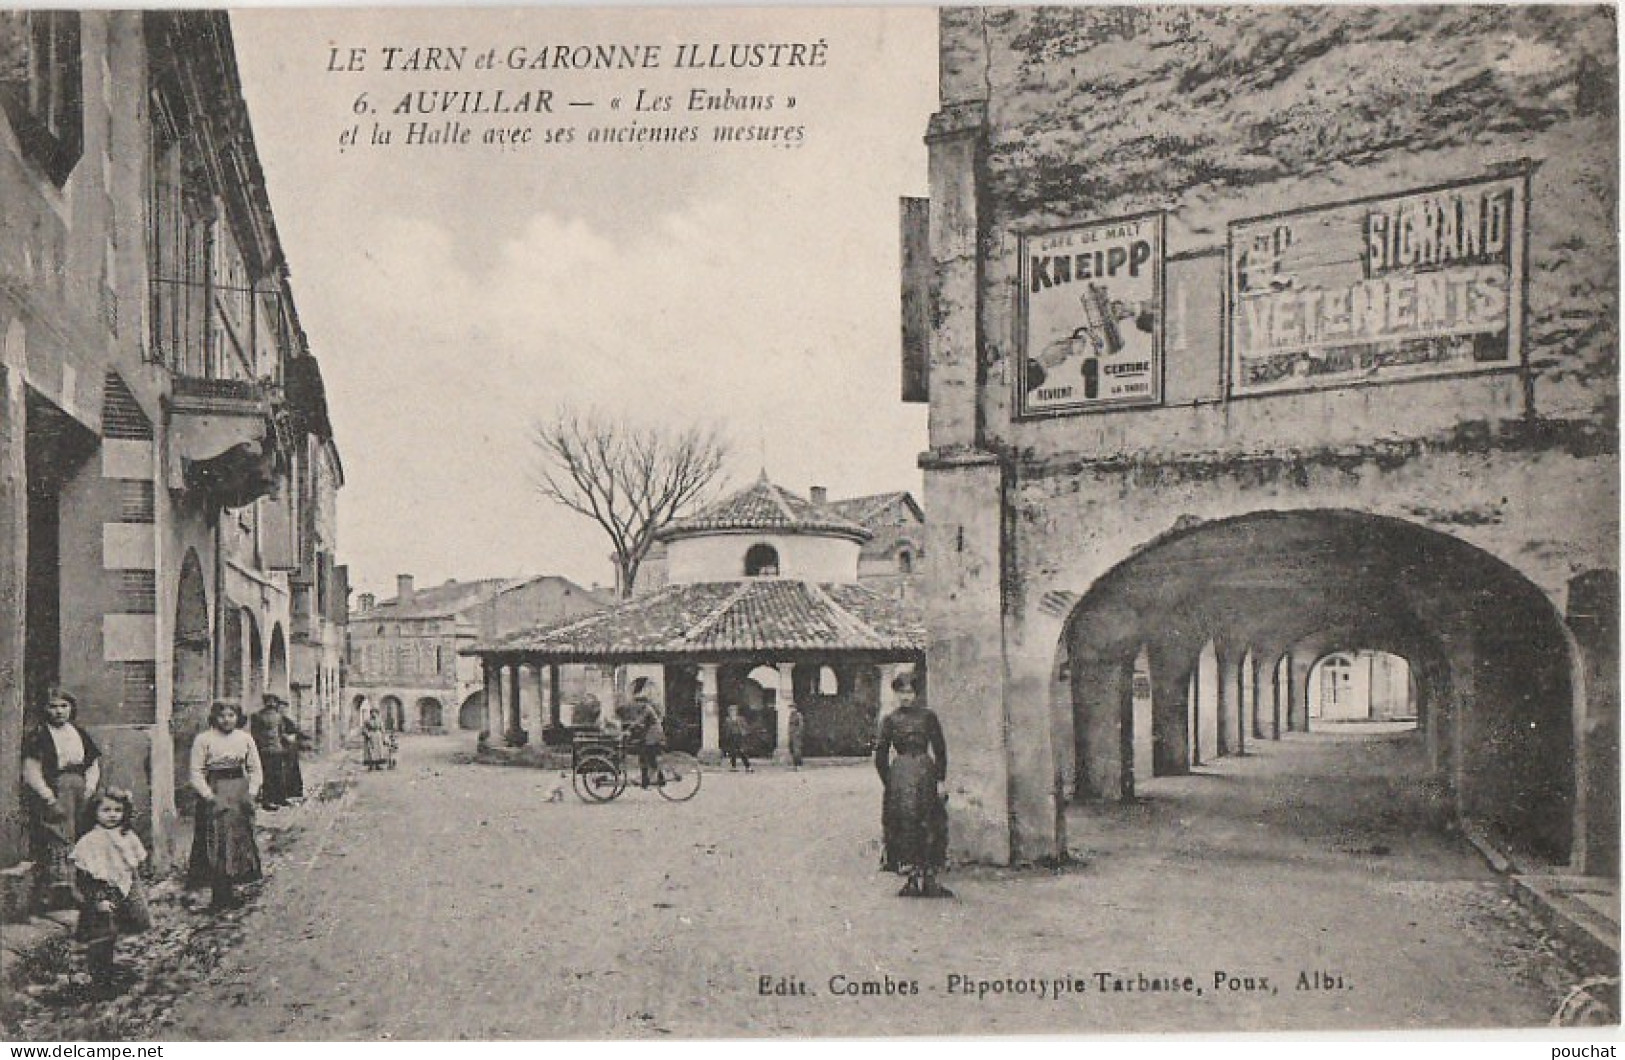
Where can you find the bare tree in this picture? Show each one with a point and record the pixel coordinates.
(631, 479)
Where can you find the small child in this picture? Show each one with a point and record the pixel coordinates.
(111, 898)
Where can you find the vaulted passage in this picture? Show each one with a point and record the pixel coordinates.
(1424, 665)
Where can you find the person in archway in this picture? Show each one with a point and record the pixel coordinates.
(294, 741)
(796, 725)
(227, 775)
(911, 757)
(649, 731)
(61, 770)
(734, 733)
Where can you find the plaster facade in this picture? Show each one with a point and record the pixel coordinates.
(722, 557)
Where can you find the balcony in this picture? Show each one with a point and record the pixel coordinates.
(228, 438)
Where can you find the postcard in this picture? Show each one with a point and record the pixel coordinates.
(529, 523)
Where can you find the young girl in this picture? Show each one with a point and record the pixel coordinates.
(108, 861)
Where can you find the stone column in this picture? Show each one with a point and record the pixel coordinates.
(1142, 749)
(1170, 710)
(516, 734)
(13, 595)
(543, 720)
(493, 697)
(1297, 690)
(1264, 697)
(1233, 699)
(1103, 772)
(1193, 716)
(1593, 620)
(710, 728)
(555, 702)
(787, 696)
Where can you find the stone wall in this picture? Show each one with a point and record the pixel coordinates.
(1053, 117)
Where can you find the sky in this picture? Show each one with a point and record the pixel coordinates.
(456, 293)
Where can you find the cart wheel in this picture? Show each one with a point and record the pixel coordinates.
(598, 779)
(679, 776)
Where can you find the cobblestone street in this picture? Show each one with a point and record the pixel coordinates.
(448, 900)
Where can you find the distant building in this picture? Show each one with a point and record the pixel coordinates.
(319, 603)
(888, 562)
(403, 652)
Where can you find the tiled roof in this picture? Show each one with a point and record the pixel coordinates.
(766, 507)
(439, 601)
(862, 509)
(754, 615)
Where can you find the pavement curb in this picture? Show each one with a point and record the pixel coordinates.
(1591, 935)
(23, 941)
(1589, 932)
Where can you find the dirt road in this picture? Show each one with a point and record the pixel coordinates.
(447, 900)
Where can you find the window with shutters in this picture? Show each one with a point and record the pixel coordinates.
(41, 88)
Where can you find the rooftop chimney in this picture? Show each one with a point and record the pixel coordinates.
(366, 602)
(820, 495)
(403, 589)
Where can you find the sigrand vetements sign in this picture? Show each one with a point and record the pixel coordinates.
(1421, 284)
(1091, 316)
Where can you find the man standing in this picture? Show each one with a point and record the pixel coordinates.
(266, 726)
(794, 725)
(650, 732)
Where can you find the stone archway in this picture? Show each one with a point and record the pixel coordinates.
(276, 675)
(253, 679)
(471, 715)
(1496, 699)
(193, 681)
(754, 691)
(1360, 685)
(394, 713)
(430, 715)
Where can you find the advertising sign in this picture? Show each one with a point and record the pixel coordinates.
(1091, 314)
(1422, 284)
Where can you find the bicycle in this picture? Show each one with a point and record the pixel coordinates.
(598, 770)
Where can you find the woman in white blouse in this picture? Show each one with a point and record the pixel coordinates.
(226, 774)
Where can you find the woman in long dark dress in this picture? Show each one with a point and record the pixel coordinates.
(914, 819)
(61, 770)
(226, 774)
(374, 747)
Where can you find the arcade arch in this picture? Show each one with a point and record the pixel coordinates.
(471, 715)
(1360, 686)
(393, 714)
(254, 670)
(193, 676)
(276, 679)
(1225, 626)
(194, 665)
